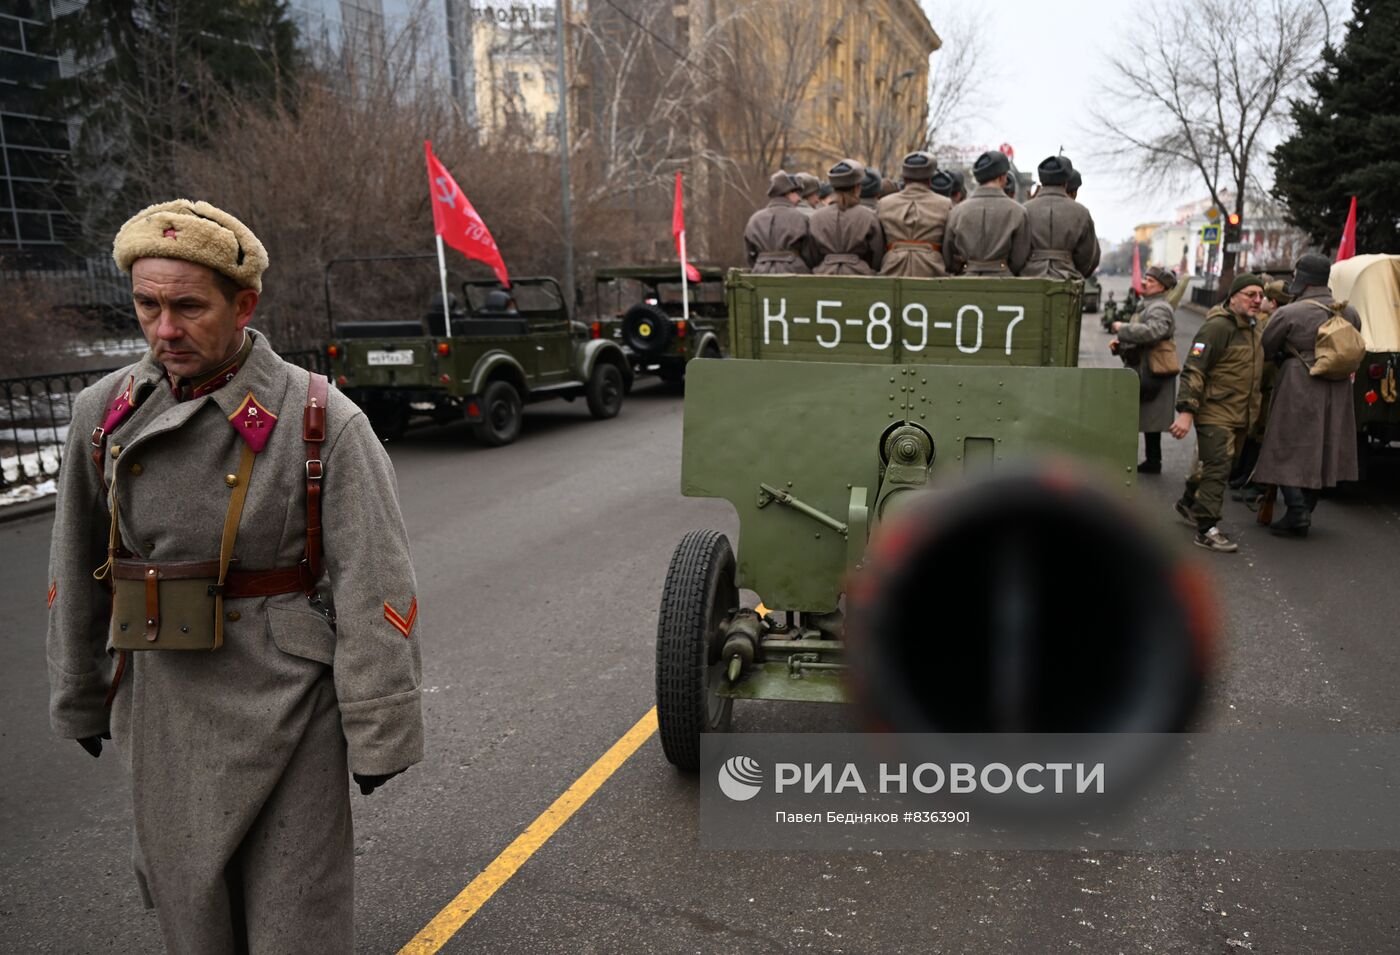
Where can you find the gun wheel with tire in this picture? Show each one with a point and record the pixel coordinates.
(695, 602)
(604, 391)
(501, 413)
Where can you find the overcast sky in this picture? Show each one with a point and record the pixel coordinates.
(1044, 71)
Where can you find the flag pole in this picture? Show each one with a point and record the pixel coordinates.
(446, 308)
(685, 284)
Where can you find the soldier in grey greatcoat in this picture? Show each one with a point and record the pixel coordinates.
(913, 222)
(949, 184)
(987, 233)
(777, 237)
(239, 752)
(811, 191)
(1064, 243)
(870, 188)
(1155, 321)
(846, 236)
(1310, 440)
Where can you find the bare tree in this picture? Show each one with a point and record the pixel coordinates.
(959, 73)
(1195, 96)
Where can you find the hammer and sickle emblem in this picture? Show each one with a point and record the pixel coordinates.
(448, 194)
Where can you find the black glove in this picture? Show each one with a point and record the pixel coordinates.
(93, 744)
(369, 783)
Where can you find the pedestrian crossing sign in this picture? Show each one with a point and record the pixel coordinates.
(1210, 235)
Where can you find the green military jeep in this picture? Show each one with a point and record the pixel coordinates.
(504, 350)
(640, 307)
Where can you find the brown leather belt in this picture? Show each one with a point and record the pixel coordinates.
(240, 583)
(919, 243)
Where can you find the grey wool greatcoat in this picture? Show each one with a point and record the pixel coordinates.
(847, 241)
(1152, 323)
(238, 756)
(778, 241)
(1064, 243)
(913, 222)
(1310, 440)
(988, 234)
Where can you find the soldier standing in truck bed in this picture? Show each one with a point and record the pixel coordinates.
(1064, 243)
(846, 236)
(913, 222)
(870, 188)
(777, 238)
(987, 233)
(949, 184)
(811, 187)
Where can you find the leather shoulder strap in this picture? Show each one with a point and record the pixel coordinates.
(314, 434)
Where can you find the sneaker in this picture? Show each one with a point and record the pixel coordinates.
(1150, 467)
(1185, 513)
(1215, 539)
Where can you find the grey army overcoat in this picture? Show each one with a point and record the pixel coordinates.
(913, 221)
(239, 757)
(1064, 242)
(1152, 323)
(986, 232)
(1310, 440)
(847, 241)
(778, 241)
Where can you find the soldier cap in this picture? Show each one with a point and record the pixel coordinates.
(1075, 181)
(942, 183)
(1165, 276)
(990, 165)
(1054, 171)
(870, 184)
(1275, 290)
(918, 166)
(845, 174)
(196, 232)
(1311, 269)
(781, 183)
(810, 184)
(824, 191)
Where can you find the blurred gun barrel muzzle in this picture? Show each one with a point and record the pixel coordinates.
(1032, 602)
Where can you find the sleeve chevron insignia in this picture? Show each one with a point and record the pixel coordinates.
(53, 592)
(403, 624)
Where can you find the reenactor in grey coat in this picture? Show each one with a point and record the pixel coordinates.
(846, 236)
(1310, 442)
(811, 190)
(1154, 322)
(950, 185)
(913, 222)
(777, 238)
(232, 602)
(1064, 243)
(987, 233)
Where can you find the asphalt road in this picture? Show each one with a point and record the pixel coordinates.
(540, 568)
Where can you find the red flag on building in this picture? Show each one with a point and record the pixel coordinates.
(456, 220)
(1347, 248)
(1137, 268)
(678, 233)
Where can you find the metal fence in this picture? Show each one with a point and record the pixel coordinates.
(35, 412)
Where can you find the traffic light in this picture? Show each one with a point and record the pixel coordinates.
(1232, 227)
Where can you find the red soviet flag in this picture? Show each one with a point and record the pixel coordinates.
(1348, 245)
(457, 222)
(678, 233)
(1137, 268)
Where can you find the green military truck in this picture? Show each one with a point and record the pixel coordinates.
(502, 351)
(640, 308)
(921, 476)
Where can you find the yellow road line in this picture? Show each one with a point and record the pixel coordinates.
(450, 920)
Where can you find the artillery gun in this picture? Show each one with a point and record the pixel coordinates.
(869, 434)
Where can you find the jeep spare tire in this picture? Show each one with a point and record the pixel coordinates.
(646, 329)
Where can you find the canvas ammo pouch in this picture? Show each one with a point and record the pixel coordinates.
(1162, 359)
(175, 605)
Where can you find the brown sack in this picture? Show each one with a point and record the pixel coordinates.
(1162, 358)
(1340, 349)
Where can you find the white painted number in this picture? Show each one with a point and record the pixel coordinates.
(879, 318)
(921, 325)
(958, 335)
(1020, 313)
(823, 320)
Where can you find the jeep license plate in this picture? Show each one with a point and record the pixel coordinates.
(389, 357)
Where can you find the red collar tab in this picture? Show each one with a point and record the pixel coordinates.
(120, 408)
(253, 423)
